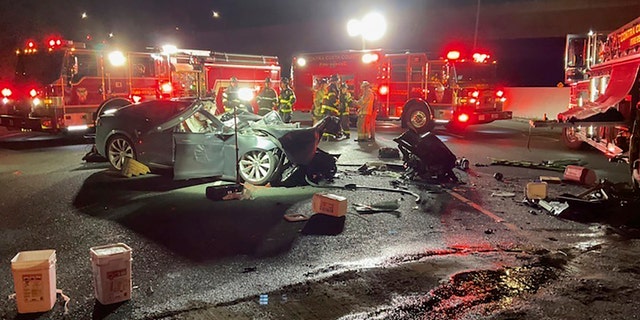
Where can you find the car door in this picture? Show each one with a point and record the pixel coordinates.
(199, 154)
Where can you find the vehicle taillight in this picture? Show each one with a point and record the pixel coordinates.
(383, 90)
(463, 117)
(33, 93)
(166, 88)
(6, 92)
(499, 93)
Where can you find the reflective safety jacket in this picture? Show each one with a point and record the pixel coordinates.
(345, 103)
(267, 99)
(286, 100)
(330, 102)
(230, 99)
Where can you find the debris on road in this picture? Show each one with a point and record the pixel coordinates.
(426, 156)
(462, 164)
(553, 207)
(383, 206)
(503, 194)
(580, 175)
(555, 165)
(536, 190)
(329, 204)
(498, 176)
(550, 179)
(388, 153)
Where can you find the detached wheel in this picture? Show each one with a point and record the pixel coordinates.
(257, 167)
(570, 139)
(118, 148)
(419, 119)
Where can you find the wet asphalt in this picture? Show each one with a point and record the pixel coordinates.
(189, 251)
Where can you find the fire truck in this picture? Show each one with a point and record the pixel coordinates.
(602, 71)
(62, 86)
(409, 87)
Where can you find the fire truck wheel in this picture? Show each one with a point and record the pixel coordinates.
(570, 139)
(419, 119)
(119, 147)
(108, 104)
(257, 166)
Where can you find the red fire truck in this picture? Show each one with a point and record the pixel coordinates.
(409, 87)
(602, 71)
(62, 86)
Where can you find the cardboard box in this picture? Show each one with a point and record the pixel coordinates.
(329, 204)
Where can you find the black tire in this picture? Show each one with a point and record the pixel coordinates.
(118, 148)
(110, 104)
(418, 118)
(257, 167)
(570, 140)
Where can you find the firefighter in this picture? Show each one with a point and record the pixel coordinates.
(231, 98)
(267, 98)
(330, 105)
(286, 100)
(318, 96)
(346, 101)
(365, 111)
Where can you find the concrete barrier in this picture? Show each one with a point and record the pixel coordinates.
(534, 102)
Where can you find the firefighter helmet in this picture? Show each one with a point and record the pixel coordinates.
(334, 77)
(365, 84)
(267, 80)
(234, 79)
(285, 80)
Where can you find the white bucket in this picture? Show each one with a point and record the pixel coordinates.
(34, 279)
(111, 265)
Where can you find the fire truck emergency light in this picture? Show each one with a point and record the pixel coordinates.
(480, 57)
(383, 90)
(369, 57)
(463, 117)
(6, 92)
(453, 55)
(33, 93)
(166, 88)
(302, 62)
(117, 58)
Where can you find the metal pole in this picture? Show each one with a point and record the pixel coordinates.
(475, 33)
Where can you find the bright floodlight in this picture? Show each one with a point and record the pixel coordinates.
(302, 62)
(354, 27)
(169, 49)
(245, 94)
(373, 26)
(116, 58)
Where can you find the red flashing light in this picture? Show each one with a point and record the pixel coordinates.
(136, 98)
(31, 44)
(453, 55)
(475, 94)
(383, 90)
(52, 43)
(499, 93)
(6, 92)
(463, 117)
(33, 92)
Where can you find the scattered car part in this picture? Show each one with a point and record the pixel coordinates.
(354, 187)
(426, 156)
(383, 206)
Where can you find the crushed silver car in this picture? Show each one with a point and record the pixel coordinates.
(183, 134)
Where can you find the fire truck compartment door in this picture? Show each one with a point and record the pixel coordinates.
(620, 84)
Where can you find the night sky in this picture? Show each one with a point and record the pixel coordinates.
(278, 27)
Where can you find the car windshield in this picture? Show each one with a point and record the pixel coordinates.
(42, 67)
(474, 73)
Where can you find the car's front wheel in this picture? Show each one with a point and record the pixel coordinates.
(257, 166)
(118, 148)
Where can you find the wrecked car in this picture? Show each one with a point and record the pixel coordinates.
(185, 136)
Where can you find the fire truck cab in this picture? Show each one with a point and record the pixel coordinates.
(602, 71)
(409, 87)
(63, 86)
